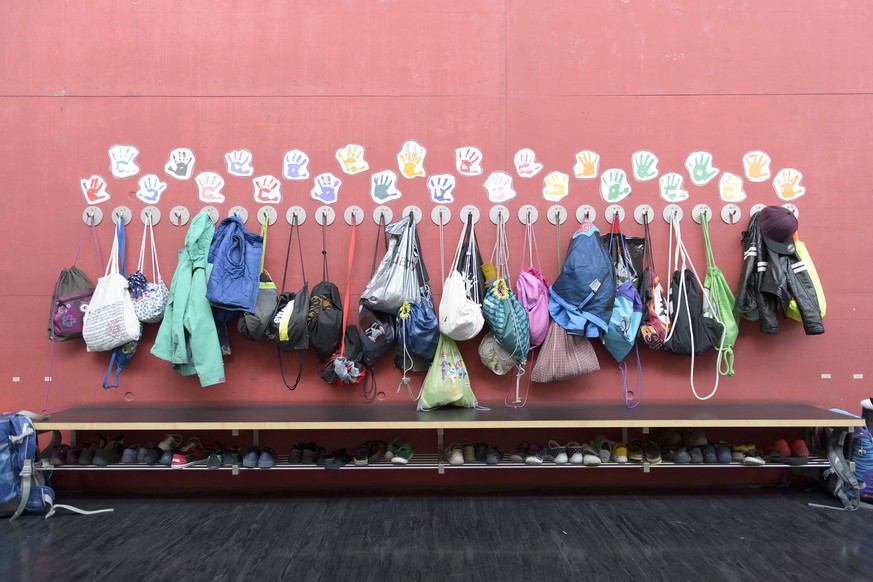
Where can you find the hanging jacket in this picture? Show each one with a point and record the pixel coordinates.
(187, 337)
(235, 256)
(769, 280)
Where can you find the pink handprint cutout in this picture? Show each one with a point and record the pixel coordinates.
(526, 163)
(94, 189)
(209, 185)
(267, 190)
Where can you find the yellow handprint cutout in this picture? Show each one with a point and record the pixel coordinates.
(556, 186)
(351, 159)
(410, 160)
(586, 165)
(757, 166)
(730, 187)
(787, 184)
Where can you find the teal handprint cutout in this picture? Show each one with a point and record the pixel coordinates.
(700, 168)
(671, 187)
(614, 186)
(645, 165)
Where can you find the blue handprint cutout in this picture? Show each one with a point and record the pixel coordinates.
(294, 166)
(440, 187)
(150, 189)
(239, 163)
(383, 187)
(326, 189)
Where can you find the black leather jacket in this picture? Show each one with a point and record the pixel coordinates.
(769, 280)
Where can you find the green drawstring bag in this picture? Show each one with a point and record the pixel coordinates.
(447, 382)
(722, 299)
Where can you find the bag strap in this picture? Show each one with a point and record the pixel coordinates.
(725, 361)
(500, 254)
(106, 384)
(710, 257)
(294, 226)
(324, 272)
(347, 296)
(558, 237)
(82, 238)
(380, 228)
(638, 395)
(625, 255)
(265, 226)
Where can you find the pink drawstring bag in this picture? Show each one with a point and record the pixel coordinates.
(532, 291)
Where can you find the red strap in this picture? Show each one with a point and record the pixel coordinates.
(348, 285)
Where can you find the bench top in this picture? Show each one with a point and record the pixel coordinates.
(378, 416)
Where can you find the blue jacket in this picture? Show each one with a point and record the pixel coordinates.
(235, 256)
(582, 295)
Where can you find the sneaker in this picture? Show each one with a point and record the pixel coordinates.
(231, 456)
(454, 454)
(215, 460)
(694, 437)
(402, 454)
(109, 453)
(86, 457)
(574, 452)
(337, 459)
(739, 452)
(482, 453)
(360, 456)
(799, 448)
(603, 446)
(534, 455)
(188, 453)
(375, 450)
(652, 452)
(167, 457)
(723, 453)
(493, 455)
(295, 454)
(130, 454)
(153, 455)
(73, 454)
(709, 454)
(520, 452)
(171, 441)
(143, 451)
(696, 455)
(680, 456)
(250, 459)
(392, 446)
(267, 458)
(469, 451)
(619, 453)
(635, 451)
(667, 437)
(312, 454)
(59, 455)
(556, 452)
(590, 457)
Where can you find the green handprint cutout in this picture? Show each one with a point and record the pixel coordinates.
(671, 188)
(645, 165)
(614, 186)
(700, 168)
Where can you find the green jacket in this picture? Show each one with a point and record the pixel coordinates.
(187, 337)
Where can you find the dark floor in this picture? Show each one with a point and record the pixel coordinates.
(734, 534)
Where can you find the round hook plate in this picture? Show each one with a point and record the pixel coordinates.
(756, 209)
(441, 215)
(644, 214)
(699, 210)
(611, 211)
(150, 212)
(528, 213)
(354, 213)
(241, 212)
(299, 211)
(497, 213)
(123, 212)
(325, 215)
(384, 213)
(585, 212)
(179, 216)
(471, 211)
(416, 213)
(557, 214)
(92, 213)
(212, 211)
(793, 209)
(731, 213)
(672, 209)
(270, 213)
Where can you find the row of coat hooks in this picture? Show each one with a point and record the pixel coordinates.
(440, 215)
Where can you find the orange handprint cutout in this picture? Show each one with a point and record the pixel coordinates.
(787, 184)
(587, 163)
(757, 166)
(94, 189)
(410, 160)
(351, 159)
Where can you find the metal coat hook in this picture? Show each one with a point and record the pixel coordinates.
(731, 213)
(441, 215)
(150, 215)
(699, 211)
(354, 215)
(469, 211)
(270, 213)
(614, 212)
(672, 210)
(643, 214)
(240, 213)
(92, 214)
(325, 215)
(121, 213)
(586, 213)
(497, 214)
(179, 216)
(295, 212)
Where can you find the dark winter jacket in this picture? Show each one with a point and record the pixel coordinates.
(769, 280)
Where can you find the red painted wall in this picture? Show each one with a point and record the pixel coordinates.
(559, 77)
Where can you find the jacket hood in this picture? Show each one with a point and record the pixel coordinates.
(199, 238)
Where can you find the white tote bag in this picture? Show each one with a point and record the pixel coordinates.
(110, 320)
(460, 312)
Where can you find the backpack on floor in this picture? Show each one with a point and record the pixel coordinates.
(24, 488)
(839, 479)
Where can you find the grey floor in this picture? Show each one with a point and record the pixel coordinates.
(731, 534)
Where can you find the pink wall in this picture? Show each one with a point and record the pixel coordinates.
(614, 77)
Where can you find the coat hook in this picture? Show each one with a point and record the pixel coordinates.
(528, 217)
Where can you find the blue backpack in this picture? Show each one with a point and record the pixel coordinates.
(581, 297)
(24, 486)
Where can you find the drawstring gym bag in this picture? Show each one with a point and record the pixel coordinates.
(722, 298)
(447, 382)
(149, 299)
(653, 328)
(375, 328)
(460, 314)
(325, 317)
(72, 294)
(417, 328)
(532, 290)
(253, 325)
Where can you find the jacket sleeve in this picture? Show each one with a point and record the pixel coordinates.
(801, 287)
(202, 335)
(747, 296)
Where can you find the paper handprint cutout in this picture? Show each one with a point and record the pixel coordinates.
(730, 188)
(351, 159)
(526, 164)
(294, 166)
(94, 189)
(209, 185)
(468, 161)
(150, 189)
(787, 184)
(267, 190)
(410, 160)
(383, 187)
(756, 165)
(440, 187)
(499, 187)
(239, 163)
(700, 168)
(556, 186)
(645, 165)
(614, 186)
(326, 188)
(121, 162)
(587, 165)
(670, 186)
(181, 164)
